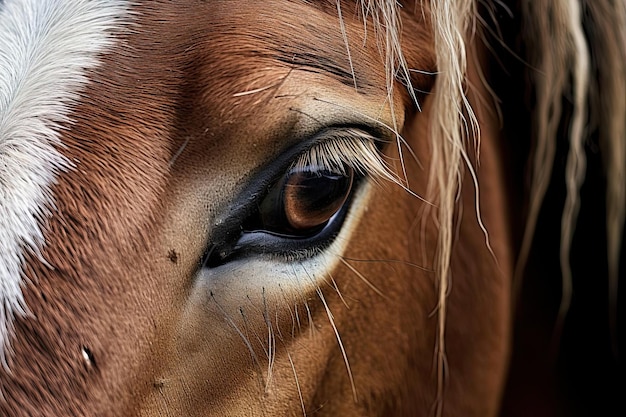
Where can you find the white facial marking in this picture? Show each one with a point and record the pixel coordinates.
(46, 46)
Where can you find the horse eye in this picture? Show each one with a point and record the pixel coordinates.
(302, 202)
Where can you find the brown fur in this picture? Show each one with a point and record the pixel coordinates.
(110, 330)
(185, 111)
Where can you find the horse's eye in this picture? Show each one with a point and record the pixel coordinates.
(301, 211)
(303, 201)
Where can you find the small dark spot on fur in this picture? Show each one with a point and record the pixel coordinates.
(172, 256)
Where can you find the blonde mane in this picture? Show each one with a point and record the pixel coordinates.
(585, 38)
(569, 41)
(451, 22)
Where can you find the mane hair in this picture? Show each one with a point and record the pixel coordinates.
(569, 41)
(577, 52)
(452, 22)
(607, 42)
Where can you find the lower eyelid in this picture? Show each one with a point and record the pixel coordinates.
(267, 243)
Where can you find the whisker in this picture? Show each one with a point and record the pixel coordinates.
(339, 342)
(297, 318)
(362, 277)
(310, 316)
(275, 86)
(319, 122)
(288, 304)
(304, 301)
(277, 327)
(395, 261)
(230, 321)
(336, 288)
(271, 342)
(295, 376)
(256, 335)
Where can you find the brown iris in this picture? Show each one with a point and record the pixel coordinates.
(303, 201)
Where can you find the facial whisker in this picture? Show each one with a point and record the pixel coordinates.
(336, 288)
(271, 342)
(339, 342)
(295, 376)
(245, 340)
(393, 261)
(362, 277)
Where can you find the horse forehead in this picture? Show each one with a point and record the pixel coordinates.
(46, 51)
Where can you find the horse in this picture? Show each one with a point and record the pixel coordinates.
(157, 161)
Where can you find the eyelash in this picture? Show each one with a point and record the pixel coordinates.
(351, 148)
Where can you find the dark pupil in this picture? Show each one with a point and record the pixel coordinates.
(304, 200)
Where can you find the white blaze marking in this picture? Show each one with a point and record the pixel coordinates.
(46, 46)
